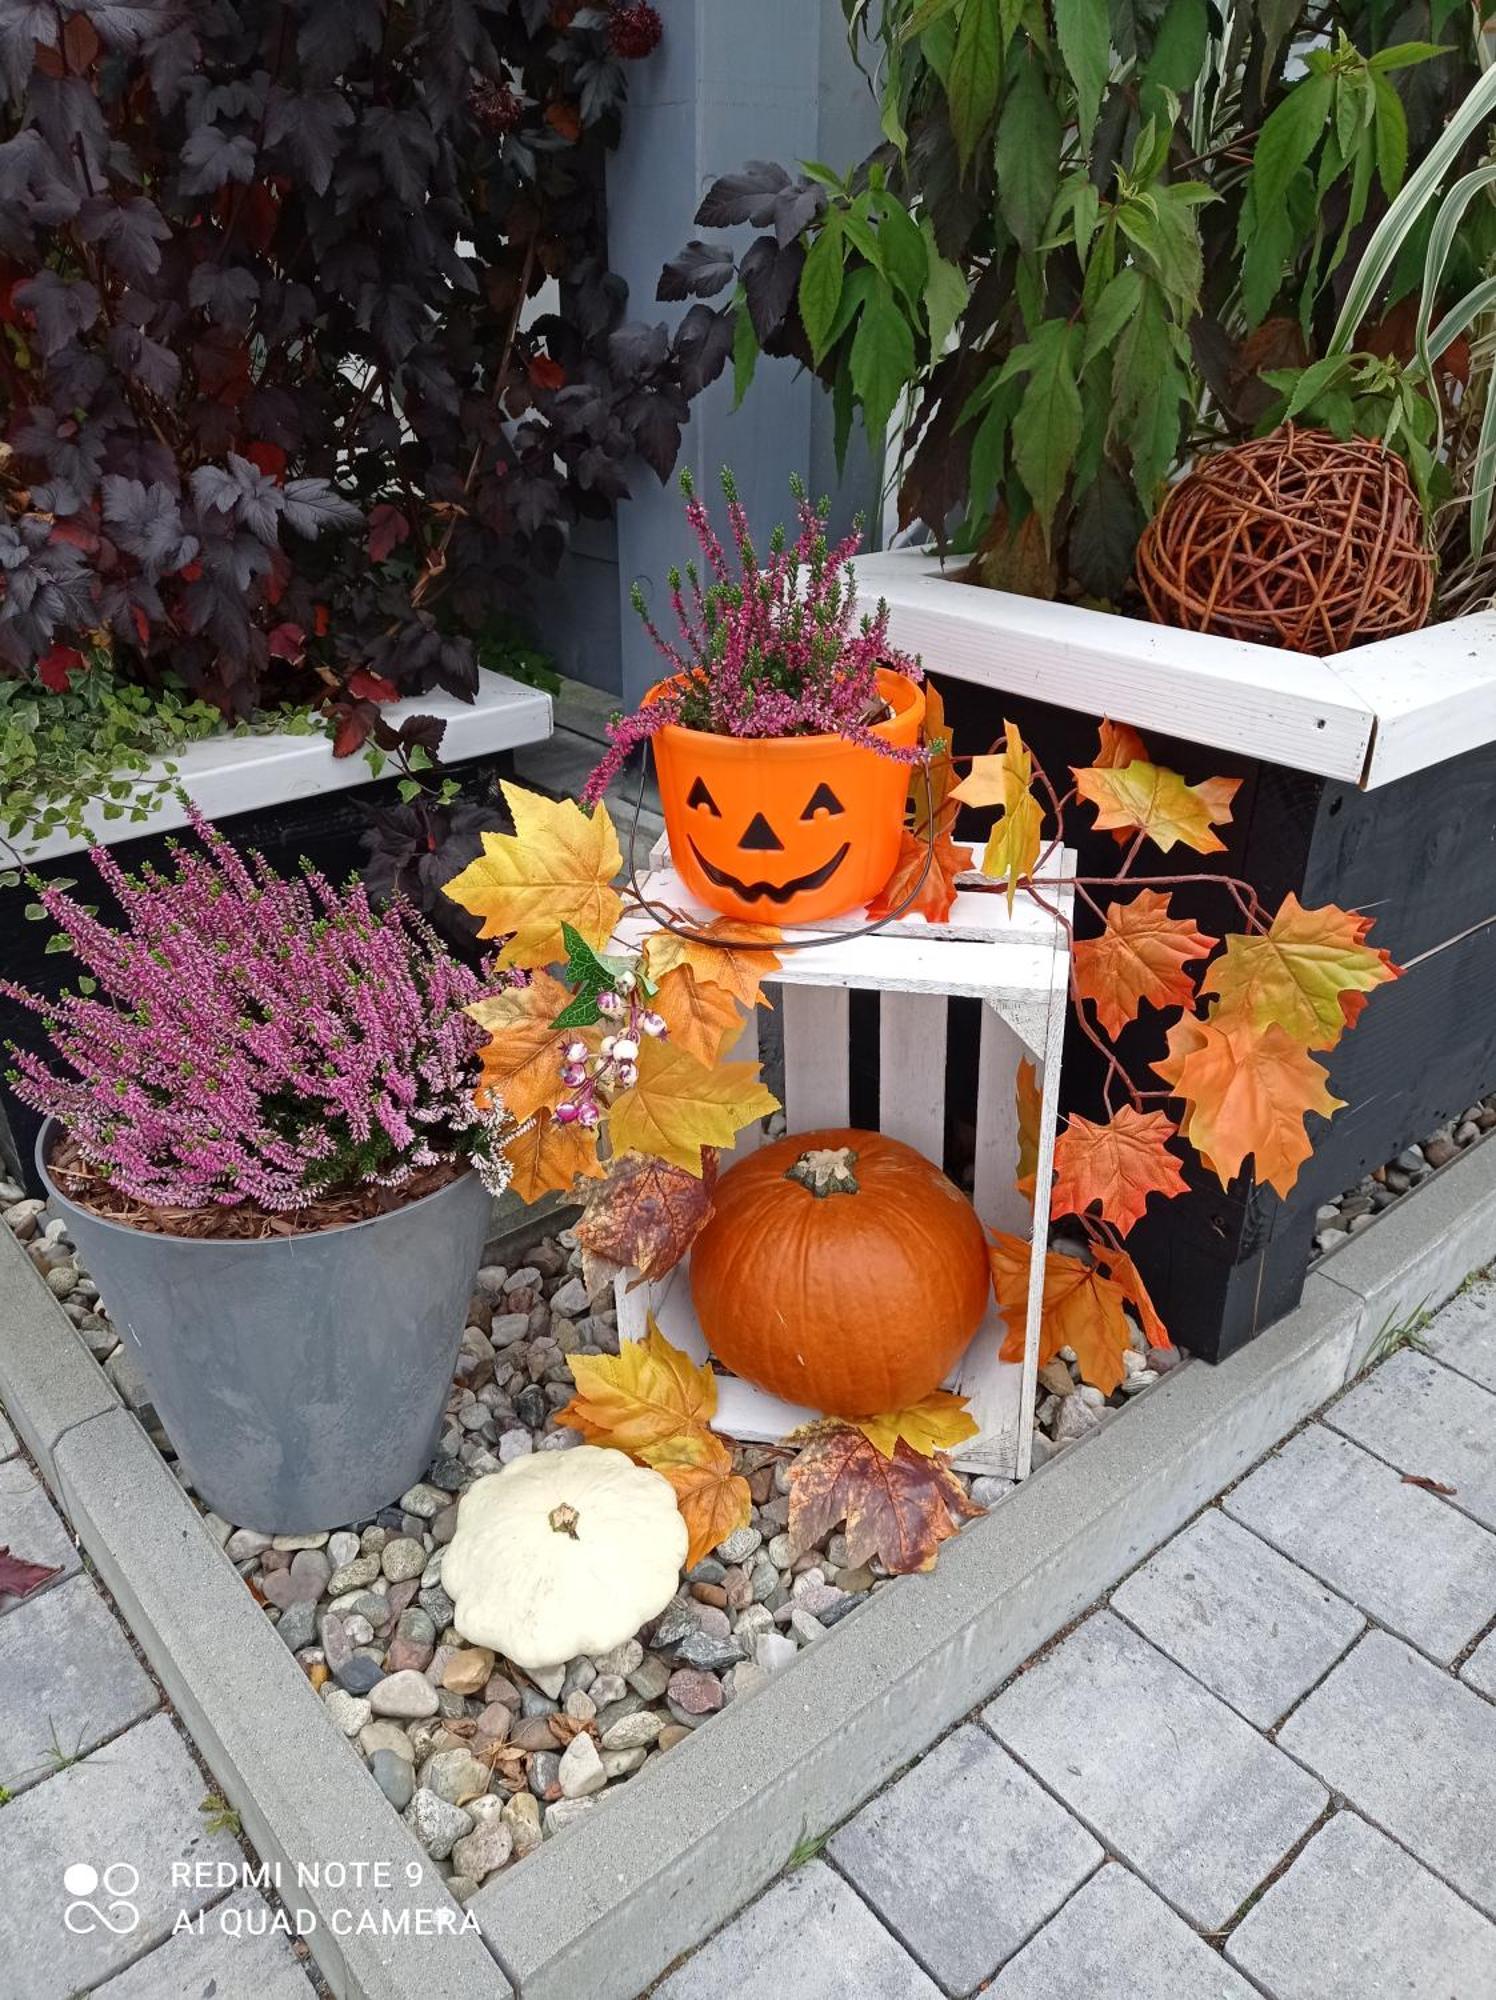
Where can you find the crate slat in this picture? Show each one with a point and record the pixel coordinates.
(815, 1056)
(911, 1070)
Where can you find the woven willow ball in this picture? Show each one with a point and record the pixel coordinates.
(1293, 539)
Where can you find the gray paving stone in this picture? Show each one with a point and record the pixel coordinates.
(1116, 1940)
(1356, 1918)
(8, 1445)
(810, 1937)
(1412, 1750)
(964, 1858)
(1463, 1334)
(236, 1953)
(68, 1679)
(133, 1804)
(1405, 1556)
(1480, 1669)
(1167, 1775)
(29, 1524)
(1255, 1628)
(1425, 1419)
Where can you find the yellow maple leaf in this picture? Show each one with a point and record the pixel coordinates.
(646, 1394)
(521, 1061)
(1145, 798)
(547, 1158)
(1246, 1090)
(714, 1500)
(681, 1104)
(930, 785)
(939, 1423)
(556, 867)
(739, 957)
(1005, 780)
(699, 1017)
(1310, 972)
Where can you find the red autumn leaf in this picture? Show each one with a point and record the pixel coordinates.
(546, 373)
(1116, 1165)
(899, 1509)
(80, 43)
(141, 623)
(353, 729)
(18, 1578)
(76, 533)
(564, 119)
(937, 891)
(648, 1213)
(321, 620)
(56, 667)
(366, 685)
(1140, 955)
(285, 641)
(190, 572)
(270, 459)
(388, 528)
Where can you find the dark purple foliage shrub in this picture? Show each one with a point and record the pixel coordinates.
(252, 1038)
(273, 416)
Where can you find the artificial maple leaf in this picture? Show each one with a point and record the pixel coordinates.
(1119, 746)
(645, 1395)
(939, 1423)
(936, 885)
(1117, 1164)
(713, 1499)
(899, 1509)
(1121, 1270)
(697, 1016)
(1145, 798)
(680, 1105)
(1246, 1090)
(1005, 780)
(739, 957)
(547, 1158)
(1311, 972)
(647, 1213)
(521, 1060)
(1140, 955)
(556, 867)
(1082, 1311)
(931, 783)
(18, 1577)
(1028, 1104)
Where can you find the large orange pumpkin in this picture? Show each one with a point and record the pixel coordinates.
(841, 1270)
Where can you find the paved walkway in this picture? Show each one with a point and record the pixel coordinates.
(1265, 1765)
(101, 1795)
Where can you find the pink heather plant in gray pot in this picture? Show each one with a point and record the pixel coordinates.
(783, 732)
(262, 1135)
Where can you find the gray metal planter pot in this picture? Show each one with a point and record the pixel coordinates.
(300, 1378)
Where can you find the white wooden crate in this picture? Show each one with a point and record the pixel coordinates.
(1018, 968)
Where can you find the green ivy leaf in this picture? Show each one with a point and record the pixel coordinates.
(1083, 31)
(1028, 156)
(821, 286)
(1047, 427)
(883, 361)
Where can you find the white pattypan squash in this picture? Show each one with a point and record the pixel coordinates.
(563, 1553)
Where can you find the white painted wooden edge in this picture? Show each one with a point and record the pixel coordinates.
(1433, 694)
(236, 774)
(1285, 708)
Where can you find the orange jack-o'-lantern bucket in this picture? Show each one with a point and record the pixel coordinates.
(787, 829)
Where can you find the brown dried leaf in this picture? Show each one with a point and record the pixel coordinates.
(898, 1509)
(647, 1213)
(1429, 1485)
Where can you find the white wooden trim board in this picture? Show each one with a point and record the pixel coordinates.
(236, 774)
(1368, 717)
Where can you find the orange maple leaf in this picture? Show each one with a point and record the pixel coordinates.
(931, 784)
(1006, 780)
(548, 1158)
(1120, 745)
(1311, 972)
(1246, 1090)
(1082, 1311)
(1122, 1270)
(1118, 1165)
(1145, 798)
(1028, 1104)
(699, 1016)
(735, 956)
(1140, 955)
(521, 1061)
(937, 890)
(714, 1500)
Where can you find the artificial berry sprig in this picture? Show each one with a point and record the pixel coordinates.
(593, 1078)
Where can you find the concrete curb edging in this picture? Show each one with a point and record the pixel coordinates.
(305, 1800)
(601, 1911)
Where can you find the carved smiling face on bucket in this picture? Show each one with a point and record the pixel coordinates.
(762, 860)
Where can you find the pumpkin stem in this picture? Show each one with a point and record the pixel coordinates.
(825, 1170)
(564, 1519)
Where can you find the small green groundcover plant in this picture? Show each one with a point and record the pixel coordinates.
(1095, 239)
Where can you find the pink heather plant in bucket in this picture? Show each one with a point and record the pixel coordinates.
(783, 734)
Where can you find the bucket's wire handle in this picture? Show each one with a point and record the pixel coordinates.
(666, 921)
